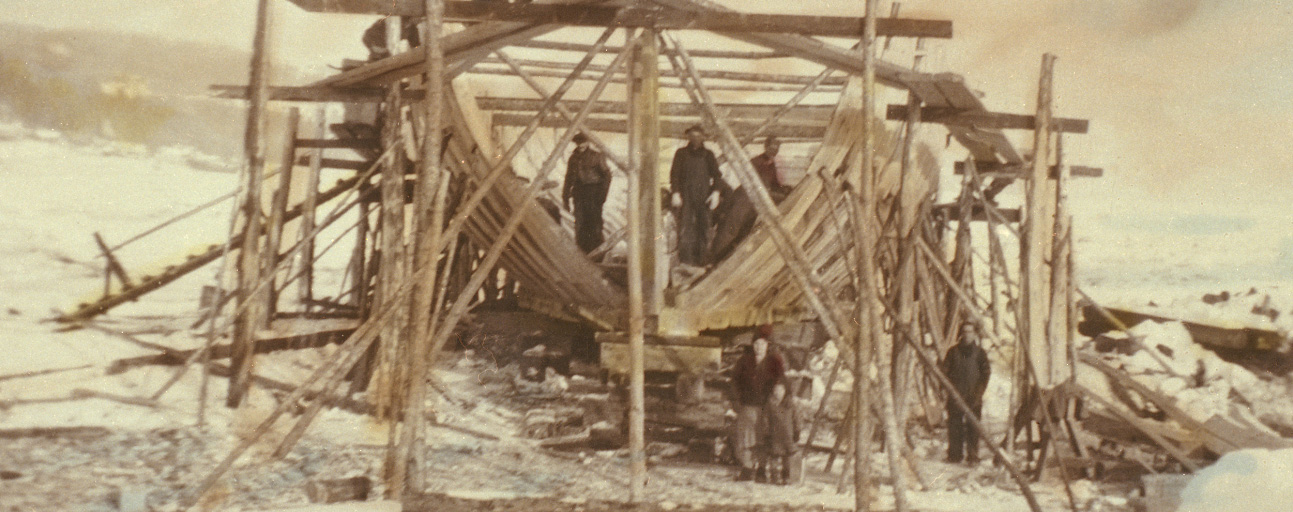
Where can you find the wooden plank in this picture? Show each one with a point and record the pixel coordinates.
(763, 78)
(249, 260)
(662, 358)
(977, 213)
(983, 119)
(336, 163)
(819, 113)
(338, 143)
(583, 48)
(307, 93)
(669, 84)
(610, 16)
(669, 128)
(999, 170)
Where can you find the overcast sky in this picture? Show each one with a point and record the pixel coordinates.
(1189, 100)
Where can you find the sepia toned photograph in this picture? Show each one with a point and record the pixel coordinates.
(646, 255)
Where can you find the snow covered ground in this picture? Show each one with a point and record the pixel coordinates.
(59, 193)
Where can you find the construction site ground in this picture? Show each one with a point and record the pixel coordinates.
(74, 436)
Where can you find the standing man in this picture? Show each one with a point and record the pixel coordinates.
(757, 372)
(766, 165)
(966, 365)
(694, 178)
(587, 182)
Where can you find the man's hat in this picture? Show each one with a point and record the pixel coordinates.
(765, 332)
(580, 138)
(771, 139)
(695, 128)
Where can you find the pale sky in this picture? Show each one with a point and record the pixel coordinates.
(1189, 100)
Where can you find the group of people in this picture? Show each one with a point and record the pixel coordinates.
(696, 185)
(767, 427)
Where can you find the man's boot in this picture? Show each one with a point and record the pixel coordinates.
(745, 475)
(761, 474)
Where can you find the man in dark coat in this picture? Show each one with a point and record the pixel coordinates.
(757, 372)
(587, 182)
(375, 37)
(694, 178)
(766, 165)
(966, 365)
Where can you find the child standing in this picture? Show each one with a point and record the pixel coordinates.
(781, 441)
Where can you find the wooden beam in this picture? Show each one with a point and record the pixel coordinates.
(610, 16)
(1036, 241)
(335, 163)
(429, 213)
(488, 70)
(983, 119)
(278, 210)
(307, 93)
(977, 213)
(249, 258)
(583, 48)
(644, 79)
(668, 128)
(338, 144)
(1019, 171)
(942, 89)
(819, 113)
(643, 134)
(763, 78)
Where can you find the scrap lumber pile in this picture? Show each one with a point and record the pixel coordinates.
(1169, 390)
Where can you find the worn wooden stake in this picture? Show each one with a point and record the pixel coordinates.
(249, 256)
(308, 206)
(278, 212)
(388, 375)
(429, 210)
(644, 126)
(1035, 293)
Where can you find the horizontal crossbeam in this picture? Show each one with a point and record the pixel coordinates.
(659, 18)
(977, 214)
(982, 119)
(668, 128)
(818, 114)
(1020, 171)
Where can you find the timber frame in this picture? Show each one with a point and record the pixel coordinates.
(858, 245)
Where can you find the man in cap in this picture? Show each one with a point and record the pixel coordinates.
(766, 165)
(694, 178)
(966, 365)
(587, 182)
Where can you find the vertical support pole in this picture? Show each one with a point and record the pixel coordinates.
(305, 287)
(249, 256)
(903, 364)
(866, 298)
(358, 258)
(1059, 330)
(655, 271)
(387, 378)
(1035, 299)
(642, 126)
(278, 210)
(431, 197)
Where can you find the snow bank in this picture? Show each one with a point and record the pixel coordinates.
(1200, 381)
(1248, 480)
